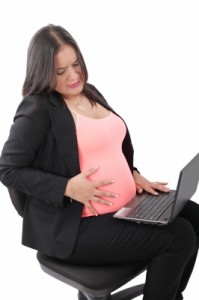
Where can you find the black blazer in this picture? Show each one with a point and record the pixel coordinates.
(38, 159)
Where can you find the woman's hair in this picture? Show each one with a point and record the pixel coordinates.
(40, 70)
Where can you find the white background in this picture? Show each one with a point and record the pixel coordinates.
(144, 57)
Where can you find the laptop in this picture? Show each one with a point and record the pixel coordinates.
(163, 208)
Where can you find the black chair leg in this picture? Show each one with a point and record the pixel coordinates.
(81, 296)
(127, 294)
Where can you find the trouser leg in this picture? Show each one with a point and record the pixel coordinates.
(190, 213)
(106, 240)
(165, 269)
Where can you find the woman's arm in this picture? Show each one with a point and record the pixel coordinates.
(27, 134)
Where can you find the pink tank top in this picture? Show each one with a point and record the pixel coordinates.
(100, 144)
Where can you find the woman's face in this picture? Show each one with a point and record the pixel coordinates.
(68, 73)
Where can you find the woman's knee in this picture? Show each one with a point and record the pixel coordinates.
(191, 212)
(183, 236)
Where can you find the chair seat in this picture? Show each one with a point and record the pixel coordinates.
(100, 280)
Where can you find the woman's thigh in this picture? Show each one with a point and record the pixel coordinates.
(103, 239)
(191, 213)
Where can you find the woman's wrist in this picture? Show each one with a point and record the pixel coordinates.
(69, 191)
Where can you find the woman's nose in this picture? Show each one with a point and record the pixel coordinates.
(72, 73)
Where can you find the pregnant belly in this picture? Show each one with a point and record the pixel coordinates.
(123, 185)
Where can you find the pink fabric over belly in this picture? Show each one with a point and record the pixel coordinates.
(100, 144)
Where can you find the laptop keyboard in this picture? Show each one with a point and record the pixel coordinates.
(152, 207)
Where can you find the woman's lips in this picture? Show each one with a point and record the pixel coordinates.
(74, 85)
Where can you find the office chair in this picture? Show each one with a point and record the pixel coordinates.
(92, 282)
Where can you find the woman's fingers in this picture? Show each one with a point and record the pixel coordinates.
(91, 208)
(157, 183)
(90, 171)
(153, 187)
(160, 186)
(97, 200)
(139, 189)
(103, 182)
(102, 193)
(152, 191)
(97, 183)
(101, 201)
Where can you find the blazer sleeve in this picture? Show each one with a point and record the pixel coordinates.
(27, 134)
(128, 151)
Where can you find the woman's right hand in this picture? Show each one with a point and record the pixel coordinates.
(84, 190)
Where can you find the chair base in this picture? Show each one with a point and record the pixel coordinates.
(126, 294)
(95, 282)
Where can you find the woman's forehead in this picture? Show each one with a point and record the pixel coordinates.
(65, 56)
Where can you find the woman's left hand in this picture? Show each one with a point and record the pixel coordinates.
(142, 184)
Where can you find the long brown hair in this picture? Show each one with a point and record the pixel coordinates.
(40, 70)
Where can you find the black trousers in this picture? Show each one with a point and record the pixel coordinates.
(170, 250)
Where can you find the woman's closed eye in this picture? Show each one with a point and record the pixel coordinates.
(76, 64)
(61, 71)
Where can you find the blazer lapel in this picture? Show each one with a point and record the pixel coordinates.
(64, 130)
